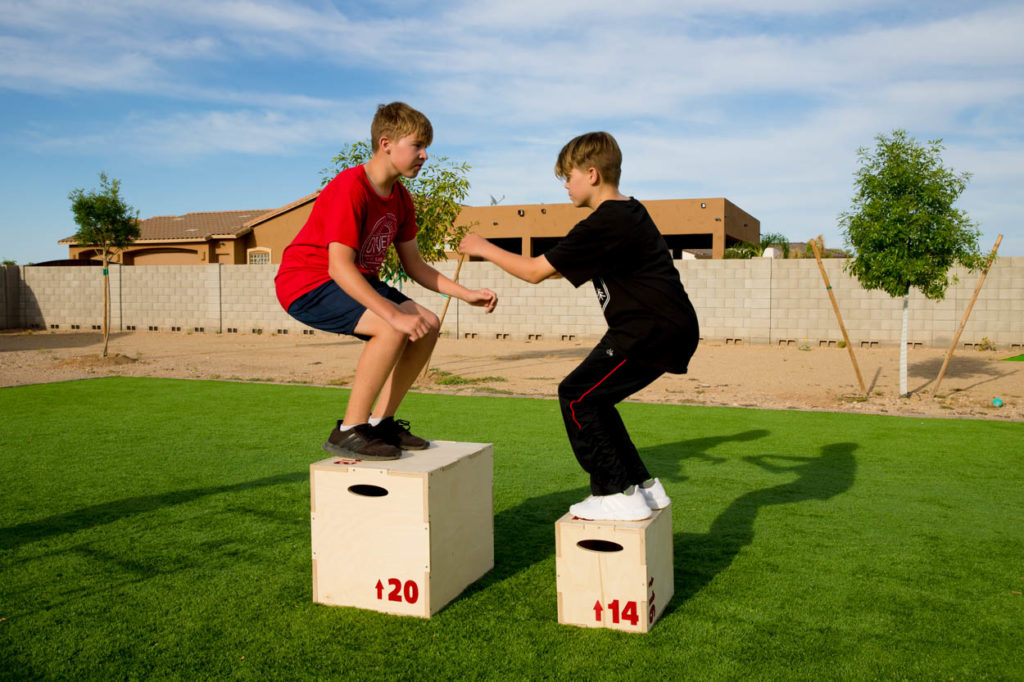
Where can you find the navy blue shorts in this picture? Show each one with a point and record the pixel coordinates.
(328, 308)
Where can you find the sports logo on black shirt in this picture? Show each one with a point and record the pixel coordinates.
(602, 292)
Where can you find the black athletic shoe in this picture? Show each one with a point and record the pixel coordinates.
(396, 432)
(360, 442)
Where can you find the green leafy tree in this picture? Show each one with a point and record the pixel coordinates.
(436, 193)
(903, 227)
(110, 225)
(749, 250)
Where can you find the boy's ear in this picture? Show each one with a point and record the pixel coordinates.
(593, 176)
(384, 144)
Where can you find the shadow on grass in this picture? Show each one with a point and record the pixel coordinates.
(109, 512)
(524, 534)
(666, 461)
(699, 557)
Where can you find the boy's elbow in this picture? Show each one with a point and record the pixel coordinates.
(540, 269)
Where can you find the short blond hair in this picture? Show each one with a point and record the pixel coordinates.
(598, 150)
(398, 119)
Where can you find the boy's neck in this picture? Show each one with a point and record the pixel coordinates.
(604, 193)
(381, 174)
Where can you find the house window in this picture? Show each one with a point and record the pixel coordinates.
(258, 256)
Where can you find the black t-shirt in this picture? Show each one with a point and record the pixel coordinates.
(650, 317)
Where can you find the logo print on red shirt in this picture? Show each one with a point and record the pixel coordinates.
(371, 253)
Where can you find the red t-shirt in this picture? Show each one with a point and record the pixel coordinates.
(351, 212)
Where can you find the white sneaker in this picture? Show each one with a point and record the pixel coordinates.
(654, 494)
(625, 506)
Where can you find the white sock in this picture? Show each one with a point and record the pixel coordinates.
(375, 420)
(346, 427)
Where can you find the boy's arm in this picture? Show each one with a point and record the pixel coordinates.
(425, 275)
(341, 266)
(532, 270)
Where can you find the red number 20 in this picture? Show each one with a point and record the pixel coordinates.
(410, 591)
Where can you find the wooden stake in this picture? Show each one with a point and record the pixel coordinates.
(462, 259)
(835, 307)
(967, 314)
(448, 300)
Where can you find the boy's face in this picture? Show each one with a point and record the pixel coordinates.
(407, 154)
(580, 184)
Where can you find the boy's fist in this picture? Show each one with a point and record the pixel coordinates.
(471, 244)
(485, 298)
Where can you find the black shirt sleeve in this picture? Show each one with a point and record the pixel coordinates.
(589, 250)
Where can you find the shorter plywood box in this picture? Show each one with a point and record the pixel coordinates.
(614, 574)
(404, 536)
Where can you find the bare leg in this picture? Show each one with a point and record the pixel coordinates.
(375, 365)
(409, 365)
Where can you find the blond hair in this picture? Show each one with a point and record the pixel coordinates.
(598, 150)
(398, 119)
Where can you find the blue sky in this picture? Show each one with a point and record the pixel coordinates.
(208, 105)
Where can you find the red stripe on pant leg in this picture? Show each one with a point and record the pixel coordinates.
(572, 409)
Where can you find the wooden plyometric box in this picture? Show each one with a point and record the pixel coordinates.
(404, 536)
(614, 574)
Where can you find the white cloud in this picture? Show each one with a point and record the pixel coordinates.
(765, 103)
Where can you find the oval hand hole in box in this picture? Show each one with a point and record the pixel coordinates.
(367, 490)
(600, 545)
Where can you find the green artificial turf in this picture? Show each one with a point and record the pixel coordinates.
(155, 528)
(1015, 358)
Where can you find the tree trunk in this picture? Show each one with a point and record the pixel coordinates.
(106, 306)
(903, 350)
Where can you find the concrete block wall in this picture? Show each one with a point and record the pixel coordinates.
(737, 301)
(67, 298)
(249, 302)
(550, 310)
(999, 311)
(10, 297)
(170, 298)
(732, 298)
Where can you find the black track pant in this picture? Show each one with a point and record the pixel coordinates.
(596, 432)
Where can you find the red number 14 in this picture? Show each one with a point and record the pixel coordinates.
(628, 612)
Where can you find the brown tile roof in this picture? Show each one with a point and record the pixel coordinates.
(194, 226)
(267, 215)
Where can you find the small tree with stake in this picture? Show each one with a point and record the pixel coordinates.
(903, 227)
(107, 223)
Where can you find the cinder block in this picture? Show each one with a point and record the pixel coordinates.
(614, 574)
(404, 536)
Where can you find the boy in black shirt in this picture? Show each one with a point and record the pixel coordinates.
(652, 327)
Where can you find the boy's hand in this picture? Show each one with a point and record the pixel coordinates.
(415, 326)
(484, 298)
(472, 244)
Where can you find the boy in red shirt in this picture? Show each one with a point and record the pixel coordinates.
(652, 327)
(328, 280)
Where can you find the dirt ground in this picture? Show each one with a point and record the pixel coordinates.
(792, 377)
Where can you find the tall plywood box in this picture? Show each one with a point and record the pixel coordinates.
(404, 536)
(614, 574)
